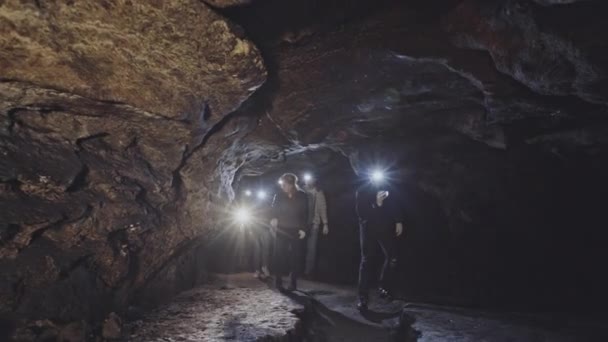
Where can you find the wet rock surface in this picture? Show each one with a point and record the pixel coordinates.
(231, 308)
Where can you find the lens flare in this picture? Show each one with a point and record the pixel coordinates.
(307, 177)
(242, 215)
(262, 194)
(247, 193)
(378, 176)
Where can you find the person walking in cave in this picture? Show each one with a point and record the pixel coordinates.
(317, 214)
(380, 223)
(261, 239)
(289, 226)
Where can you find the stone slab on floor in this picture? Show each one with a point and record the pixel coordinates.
(343, 299)
(440, 323)
(232, 308)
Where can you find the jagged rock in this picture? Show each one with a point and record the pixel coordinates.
(112, 327)
(38, 330)
(73, 332)
(532, 45)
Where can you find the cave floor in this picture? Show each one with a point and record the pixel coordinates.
(239, 307)
(234, 307)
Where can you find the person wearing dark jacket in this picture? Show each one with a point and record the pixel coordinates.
(289, 225)
(380, 222)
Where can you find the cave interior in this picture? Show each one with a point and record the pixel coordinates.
(131, 130)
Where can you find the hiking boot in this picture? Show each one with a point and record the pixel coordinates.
(292, 286)
(278, 283)
(362, 304)
(265, 271)
(385, 294)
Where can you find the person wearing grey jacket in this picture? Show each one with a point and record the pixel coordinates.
(317, 215)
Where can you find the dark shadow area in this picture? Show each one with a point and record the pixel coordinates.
(324, 324)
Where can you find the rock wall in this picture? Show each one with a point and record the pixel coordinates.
(107, 171)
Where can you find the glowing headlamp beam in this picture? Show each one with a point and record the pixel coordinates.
(377, 176)
(307, 177)
(242, 215)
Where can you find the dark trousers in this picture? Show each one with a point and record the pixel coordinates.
(287, 256)
(261, 239)
(369, 245)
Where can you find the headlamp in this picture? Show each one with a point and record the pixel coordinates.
(307, 177)
(378, 176)
(242, 215)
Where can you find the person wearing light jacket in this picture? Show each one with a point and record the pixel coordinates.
(317, 215)
(289, 226)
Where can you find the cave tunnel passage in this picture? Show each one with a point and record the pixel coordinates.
(138, 137)
(456, 248)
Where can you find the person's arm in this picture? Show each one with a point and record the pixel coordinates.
(397, 214)
(304, 211)
(322, 204)
(274, 212)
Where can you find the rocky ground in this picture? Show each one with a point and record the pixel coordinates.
(240, 308)
(232, 308)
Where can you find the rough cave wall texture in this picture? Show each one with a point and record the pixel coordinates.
(117, 148)
(104, 107)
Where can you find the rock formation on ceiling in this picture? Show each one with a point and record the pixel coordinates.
(118, 152)
(423, 73)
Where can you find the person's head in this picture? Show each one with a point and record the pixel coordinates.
(312, 184)
(288, 182)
